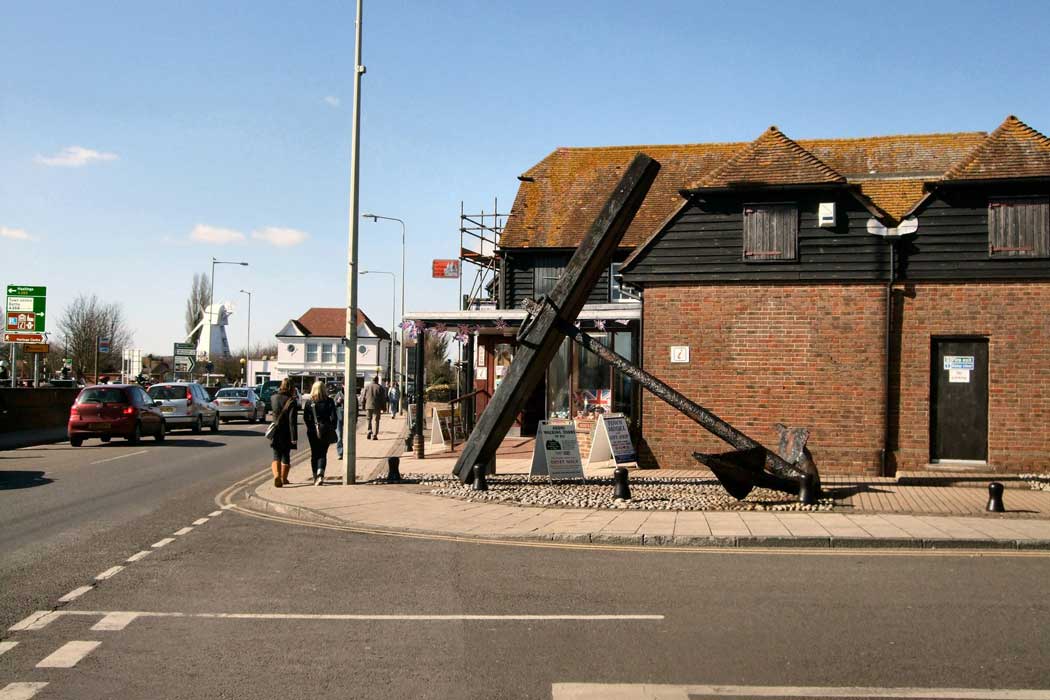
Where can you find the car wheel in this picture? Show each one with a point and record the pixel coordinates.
(255, 417)
(136, 436)
(162, 432)
(198, 426)
(76, 442)
(105, 438)
(215, 424)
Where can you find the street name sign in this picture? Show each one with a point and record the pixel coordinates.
(26, 316)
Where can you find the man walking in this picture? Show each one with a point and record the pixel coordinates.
(374, 398)
(393, 399)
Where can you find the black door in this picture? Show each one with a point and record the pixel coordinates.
(959, 393)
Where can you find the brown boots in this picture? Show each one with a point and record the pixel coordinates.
(284, 473)
(276, 467)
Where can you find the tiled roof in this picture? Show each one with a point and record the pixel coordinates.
(771, 159)
(560, 196)
(331, 323)
(1013, 150)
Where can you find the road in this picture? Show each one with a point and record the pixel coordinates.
(239, 606)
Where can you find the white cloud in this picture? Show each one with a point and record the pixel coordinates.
(280, 237)
(203, 233)
(75, 157)
(15, 234)
(332, 100)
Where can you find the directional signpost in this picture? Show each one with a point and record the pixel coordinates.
(25, 319)
(183, 358)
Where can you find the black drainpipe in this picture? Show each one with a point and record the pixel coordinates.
(884, 469)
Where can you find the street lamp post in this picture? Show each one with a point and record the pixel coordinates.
(393, 315)
(400, 356)
(211, 294)
(248, 350)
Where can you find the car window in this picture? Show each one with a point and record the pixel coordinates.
(144, 399)
(233, 393)
(167, 393)
(102, 396)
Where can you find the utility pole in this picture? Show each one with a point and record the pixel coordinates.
(350, 367)
(97, 339)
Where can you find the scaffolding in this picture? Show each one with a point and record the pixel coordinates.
(479, 236)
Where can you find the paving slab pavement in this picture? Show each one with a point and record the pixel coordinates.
(947, 516)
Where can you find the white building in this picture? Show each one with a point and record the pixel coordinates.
(311, 347)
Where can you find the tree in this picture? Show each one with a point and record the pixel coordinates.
(435, 352)
(84, 321)
(200, 297)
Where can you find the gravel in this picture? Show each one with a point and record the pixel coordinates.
(647, 493)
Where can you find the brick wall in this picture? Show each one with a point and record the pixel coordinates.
(1016, 319)
(802, 355)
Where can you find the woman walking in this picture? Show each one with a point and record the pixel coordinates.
(286, 436)
(319, 415)
(393, 399)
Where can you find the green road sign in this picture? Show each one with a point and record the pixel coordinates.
(184, 357)
(26, 308)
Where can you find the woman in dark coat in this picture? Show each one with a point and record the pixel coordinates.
(286, 437)
(319, 416)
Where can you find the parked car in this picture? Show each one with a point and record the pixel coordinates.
(115, 410)
(268, 389)
(186, 405)
(212, 391)
(240, 403)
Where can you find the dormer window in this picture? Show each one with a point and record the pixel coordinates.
(770, 232)
(1019, 227)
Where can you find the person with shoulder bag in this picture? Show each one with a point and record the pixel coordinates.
(284, 431)
(319, 415)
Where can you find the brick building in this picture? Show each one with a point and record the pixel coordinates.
(889, 293)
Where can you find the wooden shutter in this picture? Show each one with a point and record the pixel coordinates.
(547, 271)
(770, 232)
(1019, 227)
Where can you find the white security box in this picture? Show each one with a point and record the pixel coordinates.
(826, 214)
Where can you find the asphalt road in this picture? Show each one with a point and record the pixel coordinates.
(244, 607)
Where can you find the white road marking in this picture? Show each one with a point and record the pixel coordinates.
(68, 655)
(114, 621)
(228, 506)
(163, 543)
(20, 691)
(353, 617)
(113, 459)
(36, 621)
(183, 531)
(653, 691)
(214, 513)
(200, 521)
(109, 573)
(140, 555)
(7, 646)
(74, 594)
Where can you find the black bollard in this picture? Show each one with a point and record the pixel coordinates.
(393, 471)
(620, 487)
(995, 498)
(808, 491)
(479, 479)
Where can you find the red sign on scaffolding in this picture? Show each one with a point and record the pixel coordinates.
(446, 269)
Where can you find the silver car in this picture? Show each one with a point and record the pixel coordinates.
(185, 405)
(240, 403)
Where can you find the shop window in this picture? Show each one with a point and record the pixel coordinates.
(770, 232)
(504, 355)
(593, 382)
(559, 382)
(311, 352)
(1019, 227)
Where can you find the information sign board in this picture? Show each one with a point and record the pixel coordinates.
(26, 309)
(103, 344)
(612, 440)
(557, 452)
(183, 357)
(23, 337)
(445, 424)
(40, 348)
(958, 362)
(445, 269)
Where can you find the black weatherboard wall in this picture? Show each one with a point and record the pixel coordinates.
(525, 267)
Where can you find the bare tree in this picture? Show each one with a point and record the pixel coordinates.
(200, 297)
(86, 320)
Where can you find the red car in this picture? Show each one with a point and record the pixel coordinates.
(121, 410)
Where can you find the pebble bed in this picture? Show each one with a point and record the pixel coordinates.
(647, 493)
(1037, 482)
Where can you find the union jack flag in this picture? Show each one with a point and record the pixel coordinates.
(597, 399)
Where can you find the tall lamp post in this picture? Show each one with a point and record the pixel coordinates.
(400, 357)
(393, 315)
(248, 350)
(211, 294)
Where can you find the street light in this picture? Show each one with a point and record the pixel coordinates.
(248, 350)
(211, 300)
(400, 357)
(393, 314)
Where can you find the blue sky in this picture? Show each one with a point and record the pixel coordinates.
(232, 120)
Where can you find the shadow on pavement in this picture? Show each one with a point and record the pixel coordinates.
(22, 480)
